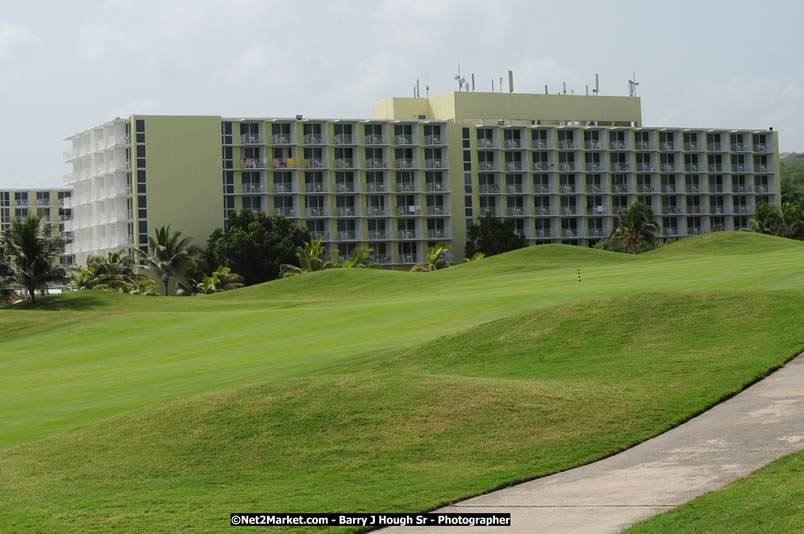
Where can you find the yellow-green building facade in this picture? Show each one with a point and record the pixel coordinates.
(49, 204)
(419, 172)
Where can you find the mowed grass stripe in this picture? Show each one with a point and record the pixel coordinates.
(409, 429)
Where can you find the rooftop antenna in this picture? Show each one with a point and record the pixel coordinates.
(633, 85)
(510, 81)
(565, 87)
(459, 79)
(473, 81)
(501, 84)
(418, 92)
(587, 89)
(427, 88)
(596, 90)
(492, 85)
(545, 88)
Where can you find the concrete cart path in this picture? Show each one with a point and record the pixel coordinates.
(732, 439)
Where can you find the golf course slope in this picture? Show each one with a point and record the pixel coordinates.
(366, 390)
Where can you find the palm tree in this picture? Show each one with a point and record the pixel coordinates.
(168, 253)
(477, 256)
(7, 279)
(312, 257)
(33, 254)
(222, 280)
(144, 287)
(361, 258)
(115, 272)
(436, 259)
(633, 226)
(766, 219)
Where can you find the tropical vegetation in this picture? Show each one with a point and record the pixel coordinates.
(634, 227)
(167, 254)
(117, 271)
(787, 221)
(491, 236)
(436, 259)
(30, 258)
(256, 246)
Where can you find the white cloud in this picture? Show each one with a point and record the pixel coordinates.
(15, 39)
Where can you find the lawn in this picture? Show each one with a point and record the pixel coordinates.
(357, 390)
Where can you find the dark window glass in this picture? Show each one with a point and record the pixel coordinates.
(141, 202)
(467, 155)
(140, 177)
(465, 133)
(142, 226)
(467, 166)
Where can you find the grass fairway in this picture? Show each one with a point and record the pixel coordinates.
(769, 500)
(370, 390)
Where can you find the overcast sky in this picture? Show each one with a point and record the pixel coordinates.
(67, 66)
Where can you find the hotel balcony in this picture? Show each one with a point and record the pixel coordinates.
(317, 212)
(644, 145)
(694, 168)
(740, 147)
(760, 148)
(489, 189)
(434, 164)
(595, 232)
(540, 189)
(404, 164)
(513, 165)
(542, 166)
(713, 147)
(344, 163)
(542, 211)
(437, 187)
(693, 147)
(543, 233)
(282, 188)
(515, 212)
(595, 166)
(437, 210)
(592, 145)
(379, 235)
(566, 166)
(287, 212)
(346, 211)
(313, 139)
(376, 187)
(567, 188)
(254, 188)
(251, 139)
(540, 143)
(343, 139)
(438, 234)
(617, 145)
(671, 210)
(488, 211)
(384, 260)
(256, 163)
(403, 139)
(324, 236)
(667, 146)
(512, 143)
(280, 139)
(406, 187)
(569, 232)
(620, 188)
(566, 145)
(488, 166)
(486, 143)
(374, 163)
(345, 188)
(513, 189)
(315, 188)
(375, 140)
(569, 210)
(376, 211)
(434, 140)
(620, 167)
(346, 235)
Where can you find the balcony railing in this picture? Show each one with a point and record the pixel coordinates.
(693, 230)
(539, 143)
(542, 210)
(569, 232)
(668, 188)
(594, 232)
(345, 211)
(254, 188)
(760, 148)
(436, 187)
(717, 167)
(408, 211)
(761, 168)
(566, 166)
(596, 210)
(568, 210)
(668, 167)
(280, 139)
(740, 147)
(374, 163)
(438, 234)
(283, 188)
(647, 167)
(644, 145)
(488, 211)
(487, 166)
(403, 139)
(595, 188)
(287, 212)
(616, 145)
(513, 189)
(251, 139)
(713, 147)
(541, 189)
(670, 230)
(313, 139)
(671, 210)
(595, 166)
(314, 163)
(566, 145)
(375, 187)
(668, 146)
(344, 163)
(434, 164)
(379, 234)
(619, 167)
(515, 212)
(620, 188)
(377, 211)
(762, 188)
(567, 188)
(407, 234)
(485, 143)
(317, 212)
(737, 188)
(692, 167)
(693, 210)
(433, 140)
(592, 145)
(375, 139)
(717, 210)
(437, 210)
(541, 232)
(324, 236)
(693, 147)
(343, 139)
(692, 189)
(345, 187)
(384, 260)
(645, 189)
(489, 189)
(315, 187)
(743, 209)
(542, 166)
(346, 235)
(512, 143)
(403, 164)
(405, 187)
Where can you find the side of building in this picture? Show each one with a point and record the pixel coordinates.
(49, 204)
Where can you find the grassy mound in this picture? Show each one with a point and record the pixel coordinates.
(768, 500)
(727, 243)
(410, 429)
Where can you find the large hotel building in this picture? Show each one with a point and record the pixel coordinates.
(419, 172)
